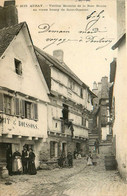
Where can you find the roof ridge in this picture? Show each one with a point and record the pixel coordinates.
(12, 26)
(60, 63)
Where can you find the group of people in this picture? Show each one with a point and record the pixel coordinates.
(18, 163)
(65, 161)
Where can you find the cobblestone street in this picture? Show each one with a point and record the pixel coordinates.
(81, 180)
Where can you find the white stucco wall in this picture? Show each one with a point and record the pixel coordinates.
(120, 125)
(31, 82)
(60, 84)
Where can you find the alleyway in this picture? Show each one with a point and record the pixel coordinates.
(81, 180)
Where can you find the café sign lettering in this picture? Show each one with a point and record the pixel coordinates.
(20, 123)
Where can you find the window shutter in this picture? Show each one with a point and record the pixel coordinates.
(17, 108)
(1, 102)
(35, 112)
(22, 104)
(32, 111)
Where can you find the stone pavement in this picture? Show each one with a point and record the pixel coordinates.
(81, 180)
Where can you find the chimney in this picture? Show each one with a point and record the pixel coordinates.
(8, 14)
(9, 2)
(99, 86)
(58, 54)
(95, 88)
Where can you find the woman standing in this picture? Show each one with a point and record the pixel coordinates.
(31, 163)
(16, 163)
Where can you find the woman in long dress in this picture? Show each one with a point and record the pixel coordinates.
(31, 163)
(90, 159)
(16, 163)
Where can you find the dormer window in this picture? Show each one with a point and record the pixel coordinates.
(18, 67)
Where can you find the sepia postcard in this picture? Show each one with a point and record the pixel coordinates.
(62, 101)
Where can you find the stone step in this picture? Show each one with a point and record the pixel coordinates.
(93, 136)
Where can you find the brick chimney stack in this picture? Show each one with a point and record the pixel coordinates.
(58, 54)
(8, 14)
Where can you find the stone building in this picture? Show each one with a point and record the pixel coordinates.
(70, 106)
(101, 113)
(119, 91)
(23, 101)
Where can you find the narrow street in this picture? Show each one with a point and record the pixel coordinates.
(81, 180)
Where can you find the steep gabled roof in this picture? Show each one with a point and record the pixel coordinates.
(60, 65)
(63, 67)
(7, 35)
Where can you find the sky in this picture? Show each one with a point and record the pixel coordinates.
(87, 53)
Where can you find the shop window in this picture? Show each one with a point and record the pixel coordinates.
(18, 67)
(7, 104)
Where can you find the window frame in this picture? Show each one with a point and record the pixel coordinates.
(5, 105)
(18, 66)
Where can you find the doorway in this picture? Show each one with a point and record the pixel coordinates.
(3, 149)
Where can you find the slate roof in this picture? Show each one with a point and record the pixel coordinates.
(7, 35)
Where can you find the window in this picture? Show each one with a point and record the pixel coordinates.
(53, 149)
(88, 100)
(28, 110)
(7, 104)
(81, 93)
(65, 112)
(71, 84)
(87, 123)
(83, 121)
(18, 67)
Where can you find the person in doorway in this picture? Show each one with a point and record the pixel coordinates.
(70, 159)
(75, 154)
(96, 145)
(31, 163)
(25, 160)
(61, 161)
(9, 160)
(17, 163)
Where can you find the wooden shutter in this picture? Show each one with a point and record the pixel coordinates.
(35, 111)
(1, 102)
(17, 107)
(22, 108)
